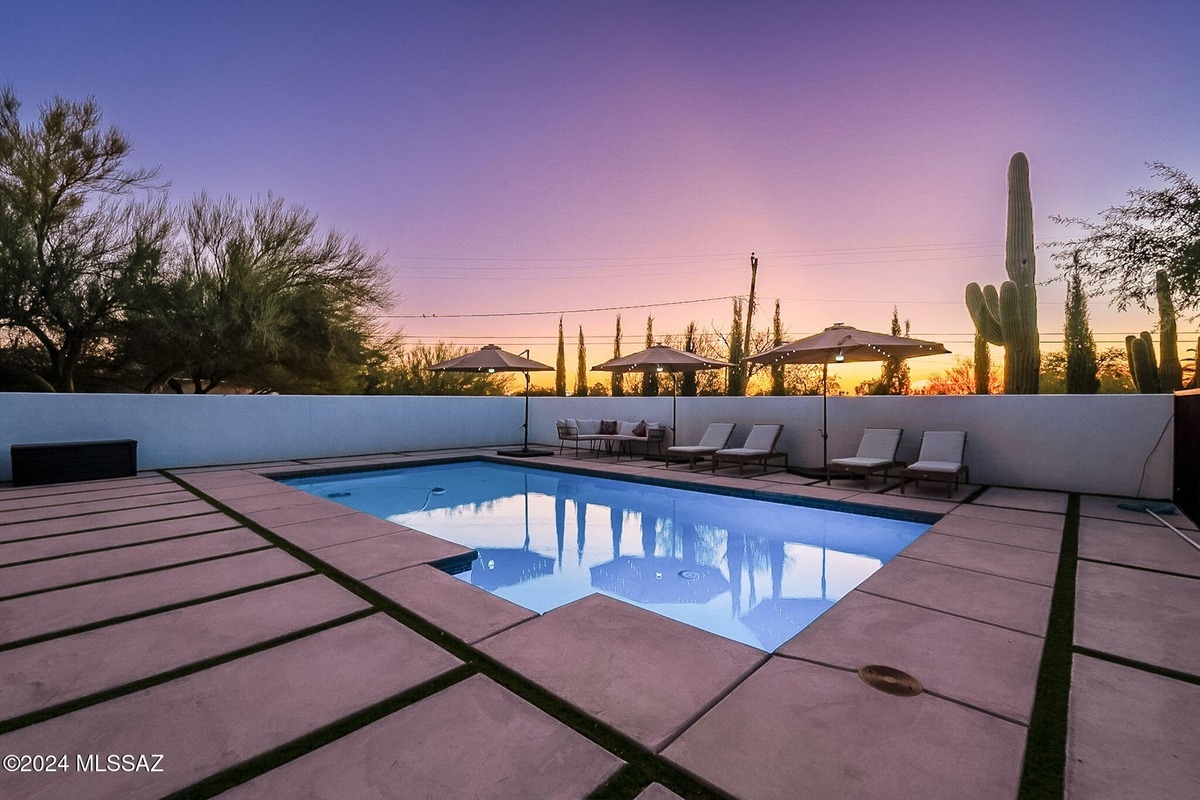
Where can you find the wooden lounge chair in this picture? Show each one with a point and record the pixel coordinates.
(759, 448)
(876, 453)
(715, 437)
(940, 459)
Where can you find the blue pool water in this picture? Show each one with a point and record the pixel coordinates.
(752, 571)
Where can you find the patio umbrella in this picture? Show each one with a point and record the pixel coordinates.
(492, 359)
(661, 358)
(839, 343)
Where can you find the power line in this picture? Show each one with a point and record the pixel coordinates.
(564, 311)
(702, 256)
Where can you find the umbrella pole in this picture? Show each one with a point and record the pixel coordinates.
(526, 425)
(674, 392)
(824, 414)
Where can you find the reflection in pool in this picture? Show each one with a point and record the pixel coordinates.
(752, 571)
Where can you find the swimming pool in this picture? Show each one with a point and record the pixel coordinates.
(753, 571)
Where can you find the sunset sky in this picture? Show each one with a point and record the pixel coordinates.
(518, 160)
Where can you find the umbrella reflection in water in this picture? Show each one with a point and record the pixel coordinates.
(656, 579)
(508, 566)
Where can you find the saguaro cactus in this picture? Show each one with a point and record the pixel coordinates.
(1009, 317)
(1165, 374)
(1170, 371)
(1139, 350)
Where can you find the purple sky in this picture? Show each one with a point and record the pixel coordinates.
(556, 156)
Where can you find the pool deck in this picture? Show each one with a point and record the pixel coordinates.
(251, 640)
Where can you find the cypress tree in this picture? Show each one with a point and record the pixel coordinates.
(618, 379)
(777, 383)
(736, 387)
(895, 376)
(581, 385)
(687, 387)
(1078, 342)
(560, 365)
(649, 379)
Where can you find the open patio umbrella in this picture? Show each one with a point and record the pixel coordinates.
(839, 343)
(661, 358)
(492, 359)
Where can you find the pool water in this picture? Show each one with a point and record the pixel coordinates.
(749, 570)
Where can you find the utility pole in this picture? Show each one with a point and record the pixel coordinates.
(744, 367)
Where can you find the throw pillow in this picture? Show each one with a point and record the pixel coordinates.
(640, 429)
(608, 427)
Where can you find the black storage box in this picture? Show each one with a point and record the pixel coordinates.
(37, 464)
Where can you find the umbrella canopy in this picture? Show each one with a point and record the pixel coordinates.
(839, 343)
(490, 358)
(661, 358)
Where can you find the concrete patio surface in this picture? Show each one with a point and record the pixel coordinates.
(268, 643)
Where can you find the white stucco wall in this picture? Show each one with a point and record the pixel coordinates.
(1110, 444)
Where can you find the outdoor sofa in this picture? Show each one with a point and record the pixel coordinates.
(599, 432)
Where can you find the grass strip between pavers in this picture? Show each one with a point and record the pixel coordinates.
(1046, 745)
(642, 766)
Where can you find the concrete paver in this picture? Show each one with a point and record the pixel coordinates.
(109, 519)
(42, 575)
(368, 558)
(967, 593)
(72, 543)
(221, 478)
(60, 670)
(198, 722)
(1001, 532)
(467, 613)
(63, 489)
(64, 609)
(473, 739)
(656, 791)
(798, 490)
(1130, 734)
(1012, 516)
(933, 490)
(1028, 499)
(308, 512)
(145, 489)
(901, 502)
(271, 500)
(974, 663)
(796, 729)
(1034, 566)
(1149, 546)
(318, 533)
(1142, 616)
(91, 506)
(642, 674)
(1101, 507)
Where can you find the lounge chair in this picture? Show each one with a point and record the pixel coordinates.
(759, 448)
(715, 437)
(876, 453)
(940, 459)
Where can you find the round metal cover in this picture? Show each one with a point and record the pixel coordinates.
(689, 574)
(890, 680)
